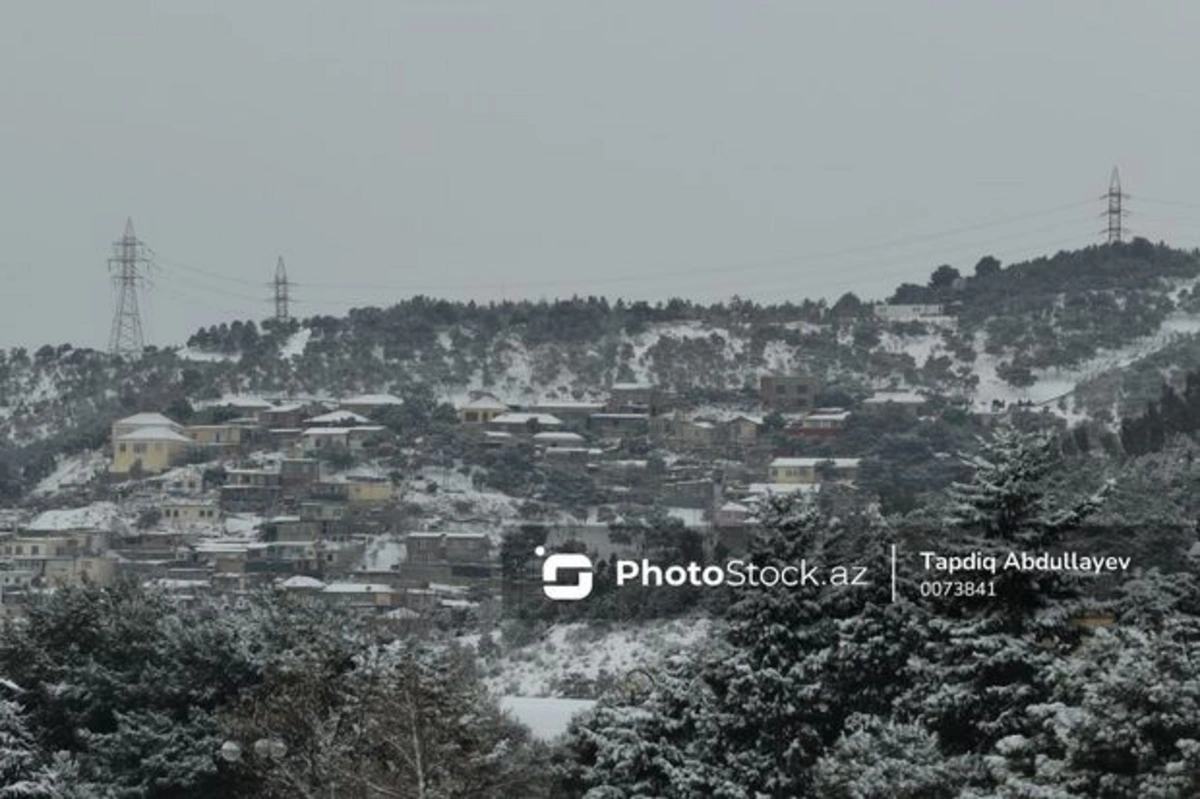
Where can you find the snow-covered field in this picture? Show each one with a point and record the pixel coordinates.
(580, 651)
(295, 345)
(76, 470)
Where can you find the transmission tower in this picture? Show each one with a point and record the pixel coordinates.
(281, 292)
(127, 266)
(1115, 212)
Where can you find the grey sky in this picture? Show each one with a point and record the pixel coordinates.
(509, 149)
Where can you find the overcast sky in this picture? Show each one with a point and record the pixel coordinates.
(542, 149)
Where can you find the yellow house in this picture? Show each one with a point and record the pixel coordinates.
(481, 410)
(369, 492)
(154, 449)
(219, 435)
(808, 470)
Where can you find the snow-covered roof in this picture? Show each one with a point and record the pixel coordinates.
(631, 386)
(550, 436)
(620, 416)
(899, 397)
(301, 581)
(402, 613)
(784, 488)
(517, 418)
(734, 507)
(497, 434)
(249, 403)
(373, 399)
(148, 419)
(356, 588)
(342, 431)
(287, 407)
(567, 405)
(483, 404)
(346, 418)
(808, 463)
(154, 434)
(831, 416)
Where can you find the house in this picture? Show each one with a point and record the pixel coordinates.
(558, 440)
(228, 435)
(481, 410)
(616, 425)
(448, 557)
(822, 422)
(909, 403)
(316, 439)
(340, 418)
(811, 470)
(787, 393)
(242, 406)
(909, 313)
(250, 490)
(183, 513)
(634, 398)
(731, 514)
(741, 431)
(150, 450)
(570, 411)
(367, 404)
(524, 424)
(288, 416)
(58, 560)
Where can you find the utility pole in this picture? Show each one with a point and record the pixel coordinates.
(1115, 212)
(127, 265)
(281, 292)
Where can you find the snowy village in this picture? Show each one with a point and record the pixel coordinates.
(544, 400)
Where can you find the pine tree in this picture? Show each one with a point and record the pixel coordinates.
(881, 759)
(22, 775)
(987, 657)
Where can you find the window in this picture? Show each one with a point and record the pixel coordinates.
(120, 448)
(33, 550)
(139, 449)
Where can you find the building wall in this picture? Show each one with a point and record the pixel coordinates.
(789, 393)
(155, 456)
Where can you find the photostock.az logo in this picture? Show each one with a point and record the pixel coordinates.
(566, 562)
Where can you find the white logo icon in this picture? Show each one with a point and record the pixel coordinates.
(566, 562)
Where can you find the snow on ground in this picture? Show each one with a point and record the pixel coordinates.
(76, 470)
(920, 348)
(456, 499)
(97, 516)
(547, 718)
(1056, 382)
(295, 345)
(583, 651)
(189, 354)
(383, 553)
(242, 525)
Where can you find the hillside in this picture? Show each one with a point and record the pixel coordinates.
(1110, 321)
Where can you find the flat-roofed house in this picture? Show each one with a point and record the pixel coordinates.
(367, 404)
(809, 471)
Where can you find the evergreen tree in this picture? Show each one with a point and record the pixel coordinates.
(22, 775)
